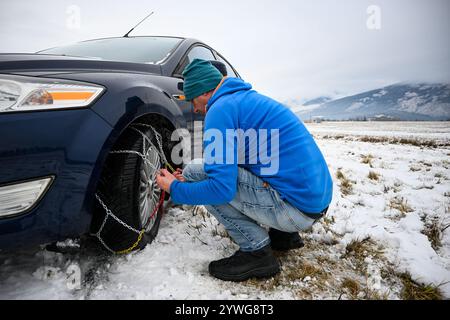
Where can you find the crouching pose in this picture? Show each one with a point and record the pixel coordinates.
(261, 167)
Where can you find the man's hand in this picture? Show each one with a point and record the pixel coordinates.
(179, 175)
(164, 179)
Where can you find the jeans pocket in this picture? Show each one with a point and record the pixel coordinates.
(262, 214)
(261, 197)
(293, 220)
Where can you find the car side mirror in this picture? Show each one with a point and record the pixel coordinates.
(180, 86)
(220, 66)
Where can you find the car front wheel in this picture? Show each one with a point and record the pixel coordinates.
(128, 189)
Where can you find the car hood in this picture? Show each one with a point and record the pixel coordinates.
(44, 64)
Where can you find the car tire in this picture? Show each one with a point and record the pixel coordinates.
(121, 189)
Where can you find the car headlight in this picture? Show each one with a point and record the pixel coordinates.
(20, 93)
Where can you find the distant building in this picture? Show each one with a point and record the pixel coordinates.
(383, 117)
(317, 119)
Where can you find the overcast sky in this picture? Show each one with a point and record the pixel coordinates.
(293, 49)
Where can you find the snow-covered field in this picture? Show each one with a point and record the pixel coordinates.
(376, 234)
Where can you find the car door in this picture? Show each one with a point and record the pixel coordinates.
(197, 51)
(231, 72)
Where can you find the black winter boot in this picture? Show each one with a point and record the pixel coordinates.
(244, 265)
(283, 241)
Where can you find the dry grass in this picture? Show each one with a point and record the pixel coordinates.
(351, 287)
(373, 176)
(417, 142)
(425, 163)
(346, 184)
(339, 174)
(357, 247)
(400, 204)
(358, 250)
(356, 290)
(361, 248)
(373, 139)
(197, 228)
(356, 253)
(434, 230)
(346, 187)
(317, 271)
(367, 159)
(220, 232)
(414, 168)
(309, 272)
(302, 277)
(325, 260)
(434, 234)
(304, 270)
(413, 290)
(407, 141)
(335, 137)
(409, 289)
(440, 176)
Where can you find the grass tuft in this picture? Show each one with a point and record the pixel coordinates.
(367, 159)
(346, 184)
(407, 141)
(303, 270)
(359, 249)
(434, 230)
(413, 290)
(400, 204)
(373, 176)
(351, 286)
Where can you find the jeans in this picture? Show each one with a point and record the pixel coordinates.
(254, 204)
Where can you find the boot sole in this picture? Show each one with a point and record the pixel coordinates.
(259, 273)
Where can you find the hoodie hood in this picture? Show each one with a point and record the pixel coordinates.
(229, 86)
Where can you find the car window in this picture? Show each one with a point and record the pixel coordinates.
(200, 52)
(197, 52)
(230, 70)
(152, 50)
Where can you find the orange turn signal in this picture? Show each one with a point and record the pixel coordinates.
(71, 95)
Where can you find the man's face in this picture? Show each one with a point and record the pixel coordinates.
(200, 102)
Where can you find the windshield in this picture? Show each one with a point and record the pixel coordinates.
(152, 50)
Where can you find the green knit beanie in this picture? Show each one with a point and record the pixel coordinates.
(200, 76)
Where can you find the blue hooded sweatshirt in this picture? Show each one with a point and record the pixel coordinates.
(297, 169)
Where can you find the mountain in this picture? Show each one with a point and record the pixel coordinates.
(399, 101)
(319, 100)
(305, 105)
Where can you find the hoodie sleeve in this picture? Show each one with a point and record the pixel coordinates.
(221, 185)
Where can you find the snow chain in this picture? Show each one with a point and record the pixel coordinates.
(163, 158)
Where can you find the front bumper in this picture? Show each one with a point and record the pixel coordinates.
(65, 145)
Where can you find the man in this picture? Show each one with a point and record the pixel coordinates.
(288, 193)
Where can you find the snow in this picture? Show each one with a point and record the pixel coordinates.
(380, 93)
(411, 102)
(355, 106)
(439, 131)
(175, 265)
(305, 109)
(424, 104)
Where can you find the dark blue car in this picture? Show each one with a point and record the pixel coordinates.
(66, 114)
